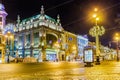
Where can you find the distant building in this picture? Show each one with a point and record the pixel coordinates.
(3, 15)
(82, 42)
(71, 46)
(9, 35)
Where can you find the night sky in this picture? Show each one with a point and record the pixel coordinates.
(75, 14)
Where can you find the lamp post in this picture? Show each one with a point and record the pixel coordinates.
(117, 38)
(97, 31)
(9, 38)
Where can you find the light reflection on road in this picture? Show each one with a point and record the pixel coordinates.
(102, 72)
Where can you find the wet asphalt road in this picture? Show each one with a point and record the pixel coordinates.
(108, 70)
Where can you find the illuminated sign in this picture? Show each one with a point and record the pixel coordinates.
(70, 38)
(88, 55)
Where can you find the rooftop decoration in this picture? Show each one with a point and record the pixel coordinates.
(18, 19)
(2, 8)
(39, 20)
(58, 19)
(42, 10)
(9, 27)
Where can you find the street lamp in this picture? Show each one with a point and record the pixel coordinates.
(117, 38)
(9, 38)
(97, 31)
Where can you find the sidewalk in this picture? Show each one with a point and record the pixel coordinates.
(107, 70)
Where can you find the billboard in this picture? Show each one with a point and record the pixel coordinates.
(88, 55)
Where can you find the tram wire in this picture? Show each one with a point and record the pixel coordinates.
(84, 18)
(59, 5)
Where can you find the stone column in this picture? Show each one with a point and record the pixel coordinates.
(23, 44)
(17, 41)
(3, 55)
(31, 43)
(59, 47)
(43, 43)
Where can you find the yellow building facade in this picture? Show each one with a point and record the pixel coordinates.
(2, 48)
(71, 46)
(3, 15)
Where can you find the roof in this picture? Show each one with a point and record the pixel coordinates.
(37, 17)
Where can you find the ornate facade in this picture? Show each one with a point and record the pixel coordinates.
(41, 37)
(2, 47)
(3, 15)
(71, 46)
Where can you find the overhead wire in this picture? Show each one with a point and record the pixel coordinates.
(59, 5)
(83, 18)
(90, 18)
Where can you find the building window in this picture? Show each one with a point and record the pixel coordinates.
(20, 39)
(28, 38)
(0, 19)
(70, 39)
(36, 38)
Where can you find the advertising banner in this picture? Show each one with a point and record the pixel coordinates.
(88, 55)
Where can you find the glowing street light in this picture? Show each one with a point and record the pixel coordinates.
(117, 38)
(95, 9)
(97, 19)
(97, 31)
(94, 15)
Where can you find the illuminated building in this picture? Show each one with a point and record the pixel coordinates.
(2, 47)
(82, 43)
(41, 37)
(3, 15)
(9, 35)
(71, 46)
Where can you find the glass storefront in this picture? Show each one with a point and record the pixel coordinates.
(27, 53)
(36, 53)
(51, 55)
(20, 54)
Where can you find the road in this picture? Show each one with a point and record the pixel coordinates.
(108, 70)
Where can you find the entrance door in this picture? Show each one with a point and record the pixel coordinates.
(62, 57)
(51, 55)
(0, 56)
(0, 53)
